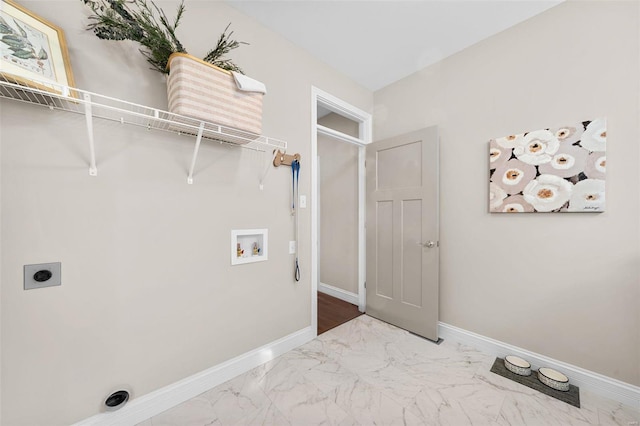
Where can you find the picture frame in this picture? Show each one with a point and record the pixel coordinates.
(33, 51)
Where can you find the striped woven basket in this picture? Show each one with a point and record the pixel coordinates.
(205, 92)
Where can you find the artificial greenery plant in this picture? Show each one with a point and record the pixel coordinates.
(144, 22)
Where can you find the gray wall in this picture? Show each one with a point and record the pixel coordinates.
(1, 290)
(563, 285)
(338, 206)
(148, 294)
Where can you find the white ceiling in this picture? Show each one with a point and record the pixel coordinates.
(379, 42)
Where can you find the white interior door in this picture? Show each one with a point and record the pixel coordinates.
(402, 231)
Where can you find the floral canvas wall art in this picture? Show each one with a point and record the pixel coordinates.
(551, 170)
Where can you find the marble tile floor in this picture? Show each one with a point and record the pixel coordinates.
(367, 372)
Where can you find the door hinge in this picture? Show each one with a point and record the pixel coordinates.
(365, 284)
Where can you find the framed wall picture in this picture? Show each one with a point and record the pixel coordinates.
(560, 169)
(33, 51)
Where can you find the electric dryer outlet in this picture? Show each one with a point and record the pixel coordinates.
(42, 275)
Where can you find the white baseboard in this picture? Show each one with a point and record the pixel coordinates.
(144, 407)
(338, 293)
(147, 406)
(587, 380)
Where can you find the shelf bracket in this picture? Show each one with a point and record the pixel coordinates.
(195, 153)
(93, 170)
(266, 170)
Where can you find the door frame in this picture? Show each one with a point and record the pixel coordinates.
(365, 131)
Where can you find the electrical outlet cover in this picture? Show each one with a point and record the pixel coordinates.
(42, 275)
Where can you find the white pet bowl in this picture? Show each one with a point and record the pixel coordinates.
(554, 379)
(517, 365)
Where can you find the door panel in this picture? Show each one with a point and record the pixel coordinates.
(402, 217)
(384, 238)
(411, 279)
(399, 166)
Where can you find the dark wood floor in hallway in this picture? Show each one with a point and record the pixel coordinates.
(332, 312)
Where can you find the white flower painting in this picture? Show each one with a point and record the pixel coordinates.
(560, 169)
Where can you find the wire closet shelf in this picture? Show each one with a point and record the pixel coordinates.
(93, 105)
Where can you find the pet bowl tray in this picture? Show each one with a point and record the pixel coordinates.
(571, 397)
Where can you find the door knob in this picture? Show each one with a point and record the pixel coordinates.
(429, 244)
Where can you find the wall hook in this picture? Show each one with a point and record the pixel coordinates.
(283, 159)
